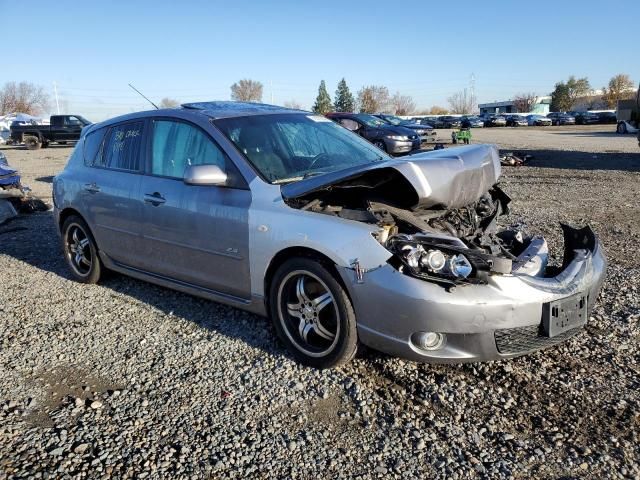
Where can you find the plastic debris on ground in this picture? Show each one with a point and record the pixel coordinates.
(15, 198)
(514, 159)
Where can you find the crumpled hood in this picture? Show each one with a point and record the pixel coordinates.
(448, 178)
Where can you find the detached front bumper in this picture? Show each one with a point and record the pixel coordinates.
(502, 319)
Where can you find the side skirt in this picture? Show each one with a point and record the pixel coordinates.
(255, 304)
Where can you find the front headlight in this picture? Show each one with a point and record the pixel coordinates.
(401, 138)
(435, 261)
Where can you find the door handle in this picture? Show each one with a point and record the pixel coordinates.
(91, 187)
(154, 199)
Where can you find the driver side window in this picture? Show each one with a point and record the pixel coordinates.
(177, 145)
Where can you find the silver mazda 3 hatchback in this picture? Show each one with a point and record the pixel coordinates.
(287, 214)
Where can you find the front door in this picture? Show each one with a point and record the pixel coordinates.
(194, 234)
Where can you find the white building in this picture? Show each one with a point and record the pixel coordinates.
(541, 106)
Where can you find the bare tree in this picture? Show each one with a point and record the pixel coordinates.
(167, 102)
(402, 104)
(373, 99)
(524, 102)
(462, 102)
(247, 90)
(621, 87)
(23, 97)
(292, 104)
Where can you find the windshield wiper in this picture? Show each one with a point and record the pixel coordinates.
(312, 174)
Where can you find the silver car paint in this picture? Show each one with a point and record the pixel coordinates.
(450, 178)
(274, 227)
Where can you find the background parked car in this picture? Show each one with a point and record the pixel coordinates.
(472, 121)
(425, 131)
(494, 120)
(559, 118)
(389, 138)
(538, 120)
(450, 122)
(516, 121)
(585, 118)
(607, 117)
(435, 122)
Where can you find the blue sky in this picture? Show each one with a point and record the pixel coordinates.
(194, 50)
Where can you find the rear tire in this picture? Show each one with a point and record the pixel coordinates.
(81, 250)
(32, 143)
(312, 314)
(621, 128)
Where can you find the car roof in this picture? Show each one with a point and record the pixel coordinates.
(214, 109)
(226, 109)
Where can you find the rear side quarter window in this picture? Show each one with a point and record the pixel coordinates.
(93, 145)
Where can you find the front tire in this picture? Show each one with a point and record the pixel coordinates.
(312, 314)
(381, 145)
(80, 251)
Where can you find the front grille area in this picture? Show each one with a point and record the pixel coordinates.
(526, 339)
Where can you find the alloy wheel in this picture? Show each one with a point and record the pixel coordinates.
(308, 313)
(78, 250)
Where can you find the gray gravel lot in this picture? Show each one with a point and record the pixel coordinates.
(128, 380)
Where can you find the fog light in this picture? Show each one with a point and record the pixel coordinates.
(428, 340)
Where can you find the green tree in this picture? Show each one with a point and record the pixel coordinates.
(566, 94)
(323, 100)
(560, 99)
(578, 88)
(344, 99)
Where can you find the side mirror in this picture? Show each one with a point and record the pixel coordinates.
(211, 175)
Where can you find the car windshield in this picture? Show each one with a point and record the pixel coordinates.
(83, 120)
(370, 120)
(394, 120)
(289, 147)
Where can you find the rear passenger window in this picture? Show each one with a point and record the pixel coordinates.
(92, 144)
(123, 148)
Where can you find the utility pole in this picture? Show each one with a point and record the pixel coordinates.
(55, 91)
(472, 85)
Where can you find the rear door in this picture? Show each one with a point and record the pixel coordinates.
(109, 193)
(198, 235)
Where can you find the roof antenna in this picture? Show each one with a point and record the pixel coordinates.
(144, 96)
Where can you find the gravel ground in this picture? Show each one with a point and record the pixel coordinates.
(125, 379)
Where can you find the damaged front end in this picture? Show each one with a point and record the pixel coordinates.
(443, 231)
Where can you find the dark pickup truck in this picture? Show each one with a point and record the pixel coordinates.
(62, 129)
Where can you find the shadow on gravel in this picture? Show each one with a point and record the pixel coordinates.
(572, 160)
(47, 179)
(584, 133)
(32, 239)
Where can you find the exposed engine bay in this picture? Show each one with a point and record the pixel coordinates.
(443, 245)
(437, 213)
